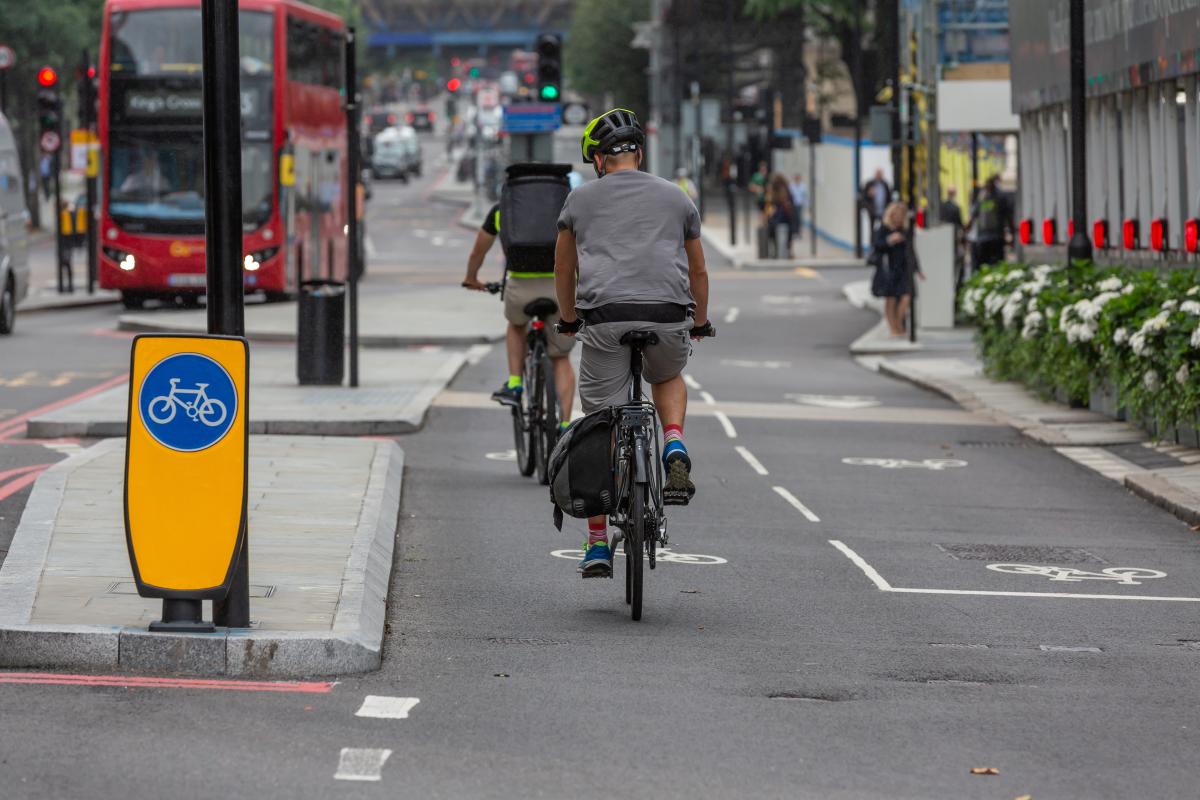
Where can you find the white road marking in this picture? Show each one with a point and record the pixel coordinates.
(65, 447)
(744, 364)
(361, 764)
(708, 398)
(502, 455)
(383, 707)
(754, 463)
(731, 315)
(834, 400)
(691, 382)
(796, 504)
(437, 241)
(660, 554)
(1126, 576)
(1100, 460)
(882, 585)
(786, 299)
(934, 464)
(369, 247)
(867, 569)
(730, 431)
(477, 352)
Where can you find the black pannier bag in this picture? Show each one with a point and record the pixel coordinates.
(530, 202)
(581, 482)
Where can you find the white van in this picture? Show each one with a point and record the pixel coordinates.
(14, 230)
(397, 153)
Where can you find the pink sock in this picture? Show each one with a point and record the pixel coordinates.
(597, 532)
(672, 433)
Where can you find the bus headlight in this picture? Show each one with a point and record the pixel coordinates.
(125, 261)
(255, 260)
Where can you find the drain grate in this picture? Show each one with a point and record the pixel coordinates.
(129, 587)
(1021, 554)
(522, 640)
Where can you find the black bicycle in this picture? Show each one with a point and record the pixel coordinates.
(536, 417)
(638, 513)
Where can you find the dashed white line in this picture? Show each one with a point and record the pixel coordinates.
(361, 764)
(796, 504)
(692, 383)
(731, 315)
(867, 569)
(730, 431)
(383, 707)
(708, 398)
(754, 463)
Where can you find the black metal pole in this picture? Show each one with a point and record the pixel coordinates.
(3, 90)
(60, 249)
(1080, 246)
(893, 23)
(859, 92)
(88, 121)
(352, 178)
(223, 226)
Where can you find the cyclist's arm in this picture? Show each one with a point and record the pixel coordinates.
(483, 243)
(698, 276)
(566, 267)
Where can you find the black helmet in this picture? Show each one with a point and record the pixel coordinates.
(616, 131)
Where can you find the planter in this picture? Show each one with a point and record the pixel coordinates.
(1105, 399)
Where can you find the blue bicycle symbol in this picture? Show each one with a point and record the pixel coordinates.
(202, 408)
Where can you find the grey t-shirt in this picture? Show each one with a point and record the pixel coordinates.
(629, 229)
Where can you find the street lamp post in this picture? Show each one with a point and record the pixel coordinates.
(1080, 246)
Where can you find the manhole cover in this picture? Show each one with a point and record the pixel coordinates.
(1024, 554)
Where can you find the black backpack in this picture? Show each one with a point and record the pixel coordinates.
(580, 469)
(530, 202)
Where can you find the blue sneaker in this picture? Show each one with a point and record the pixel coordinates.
(509, 395)
(597, 561)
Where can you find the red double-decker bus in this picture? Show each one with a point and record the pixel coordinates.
(151, 137)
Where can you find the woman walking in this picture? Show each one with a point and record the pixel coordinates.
(779, 215)
(895, 263)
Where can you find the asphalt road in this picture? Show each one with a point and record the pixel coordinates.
(826, 629)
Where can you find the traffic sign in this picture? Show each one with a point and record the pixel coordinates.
(185, 463)
(83, 142)
(532, 118)
(50, 142)
(574, 114)
(7, 57)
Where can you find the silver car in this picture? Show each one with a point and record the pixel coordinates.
(14, 231)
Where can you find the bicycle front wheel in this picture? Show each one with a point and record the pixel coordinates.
(633, 551)
(546, 425)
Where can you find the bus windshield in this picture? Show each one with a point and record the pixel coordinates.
(166, 42)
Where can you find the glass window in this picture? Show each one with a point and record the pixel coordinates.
(160, 42)
(315, 54)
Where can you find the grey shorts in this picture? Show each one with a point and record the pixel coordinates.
(518, 293)
(604, 376)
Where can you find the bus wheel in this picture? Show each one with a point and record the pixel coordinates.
(190, 300)
(133, 300)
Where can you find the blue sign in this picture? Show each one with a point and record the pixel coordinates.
(188, 402)
(532, 118)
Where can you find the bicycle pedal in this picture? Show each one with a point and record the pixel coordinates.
(599, 572)
(676, 498)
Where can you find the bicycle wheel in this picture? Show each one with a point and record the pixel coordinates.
(546, 427)
(521, 440)
(633, 551)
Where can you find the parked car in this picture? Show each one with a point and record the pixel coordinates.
(14, 231)
(421, 119)
(396, 154)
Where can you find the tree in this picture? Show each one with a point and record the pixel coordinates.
(599, 60)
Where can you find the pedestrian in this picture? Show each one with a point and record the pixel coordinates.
(758, 183)
(779, 215)
(799, 190)
(44, 172)
(874, 197)
(950, 213)
(990, 221)
(684, 181)
(895, 263)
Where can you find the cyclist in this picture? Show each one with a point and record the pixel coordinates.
(629, 258)
(521, 288)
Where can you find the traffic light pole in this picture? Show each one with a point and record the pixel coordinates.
(223, 228)
(88, 121)
(66, 281)
(353, 176)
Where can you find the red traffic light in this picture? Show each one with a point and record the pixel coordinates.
(47, 77)
(91, 72)
(1158, 235)
(1130, 234)
(1049, 231)
(453, 85)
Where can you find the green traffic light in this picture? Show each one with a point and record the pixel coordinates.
(474, 72)
(550, 92)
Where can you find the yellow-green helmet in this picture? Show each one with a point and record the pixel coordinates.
(613, 131)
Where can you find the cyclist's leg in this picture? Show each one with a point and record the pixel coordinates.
(514, 343)
(564, 382)
(663, 368)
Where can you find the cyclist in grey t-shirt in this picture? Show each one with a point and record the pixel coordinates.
(629, 258)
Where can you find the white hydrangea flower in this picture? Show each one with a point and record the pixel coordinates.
(1113, 284)
(1190, 307)
(1182, 375)
(1196, 338)
(1120, 336)
(1151, 380)
(1138, 343)
(1128, 289)
(1170, 305)
(1033, 324)
(1192, 292)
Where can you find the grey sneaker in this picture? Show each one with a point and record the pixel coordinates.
(679, 489)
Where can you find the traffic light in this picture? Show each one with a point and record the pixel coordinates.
(49, 105)
(549, 67)
(453, 85)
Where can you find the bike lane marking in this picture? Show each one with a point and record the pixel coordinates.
(12, 425)
(663, 554)
(731, 315)
(722, 418)
(383, 707)
(361, 764)
(7, 490)
(884, 586)
(136, 682)
(796, 504)
(691, 382)
(754, 463)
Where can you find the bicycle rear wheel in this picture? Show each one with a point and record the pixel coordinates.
(546, 425)
(633, 551)
(521, 438)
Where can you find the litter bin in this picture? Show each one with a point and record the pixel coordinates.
(321, 337)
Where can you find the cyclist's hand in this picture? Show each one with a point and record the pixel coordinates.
(474, 284)
(704, 331)
(568, 328)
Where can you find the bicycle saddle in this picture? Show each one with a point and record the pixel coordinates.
(640, 338)
(542, 307)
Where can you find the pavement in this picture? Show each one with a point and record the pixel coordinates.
(322, 523)
(744, 254)
(395, 390)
